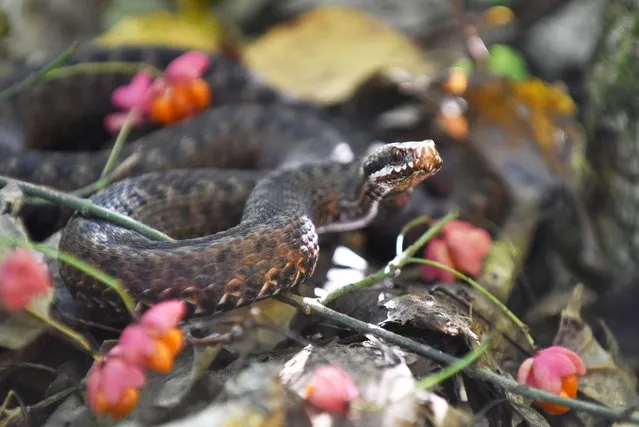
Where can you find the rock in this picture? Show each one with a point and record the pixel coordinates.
(566, 39)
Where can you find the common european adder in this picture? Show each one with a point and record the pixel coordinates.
(288, 176)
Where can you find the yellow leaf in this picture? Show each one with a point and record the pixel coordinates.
(167, 29)
(522, 108)
(326, 53)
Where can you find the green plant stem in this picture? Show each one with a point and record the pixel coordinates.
(479, 288)
(108, 280)
(36, 76)
(399, 242)
(119, 143)
(395, 265)
(442, 375)
(86, 207)
(310, 305)
(422, 220)
(101, 182)
(105, 176)
(87, 190)
(100, 67)
(63, 329)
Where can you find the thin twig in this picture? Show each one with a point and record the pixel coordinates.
(101, 183)
(392, 267)
(21, 417)
(450, 370)
(101, 67)
(71, 335)
(399, 242)
(86, 207)
(119, 143)
(87, 190)
(33, 78)
(479, 288)
(86, 268)
(310, 305)
(399, 247)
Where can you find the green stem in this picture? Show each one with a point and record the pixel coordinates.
(86, 207)
(67, 332)
(33, 78)
(119, 143)
(101, 67)
(101, 183)
(465, 362)
(395, 265)
(479, 288)
(89, 189)
(310, 305)
(399, 242)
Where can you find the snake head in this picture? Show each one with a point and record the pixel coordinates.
(399, 166)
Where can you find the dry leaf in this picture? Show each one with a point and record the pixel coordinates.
(607, 379)
(167, 29)
(528, 110)
(326, 53)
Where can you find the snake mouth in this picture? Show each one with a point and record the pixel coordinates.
(402, 165)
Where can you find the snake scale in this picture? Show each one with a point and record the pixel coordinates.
(245, 187)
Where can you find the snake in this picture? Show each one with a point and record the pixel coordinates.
(245, 188)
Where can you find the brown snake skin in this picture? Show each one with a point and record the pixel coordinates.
(214, 264)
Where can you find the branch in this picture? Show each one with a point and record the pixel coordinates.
(311, 305)
(85, 206)
(396, 264)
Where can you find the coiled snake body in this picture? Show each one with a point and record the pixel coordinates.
(310, 189)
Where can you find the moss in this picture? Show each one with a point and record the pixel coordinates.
(614, 79)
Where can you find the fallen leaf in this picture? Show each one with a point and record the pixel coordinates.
(181, 30)
(528, 110)
(387, 389)
(326, 53)
(607, 379)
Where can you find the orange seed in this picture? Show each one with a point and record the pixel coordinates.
(162, 110)
(128, 400)
(183, 105)
(161, 361)
(101, 406)
(569, 388)
(174, 340)
(201, 93)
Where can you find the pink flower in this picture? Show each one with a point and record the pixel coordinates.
(460, 246)
(152, 343)
(188, 66)
(437, 250)
(163, 316)
(136, 95)
(331, 390)
(156, 340)
(185, 71)
(554, 369)
(113, 385)
(136, 345)
(22, 278)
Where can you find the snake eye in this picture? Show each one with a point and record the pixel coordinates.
(396, 155)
